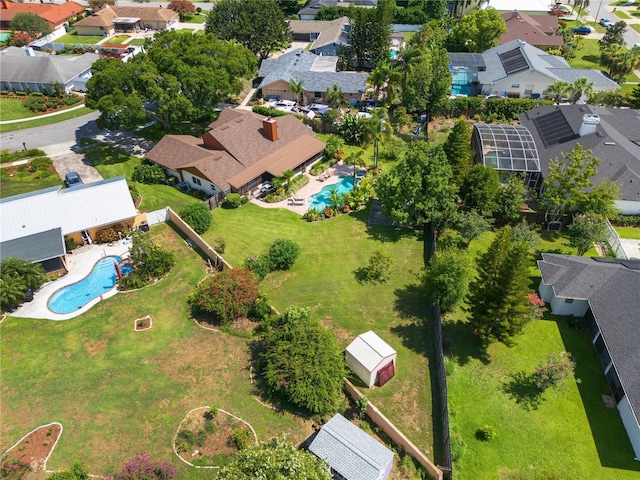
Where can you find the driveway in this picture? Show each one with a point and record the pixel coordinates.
(76, 162)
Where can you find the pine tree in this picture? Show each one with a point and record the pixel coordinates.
(458, 150)
(498, 297)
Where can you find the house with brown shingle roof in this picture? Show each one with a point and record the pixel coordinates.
(113, 19)
(55, 14)
(537, 30)
(240, 152)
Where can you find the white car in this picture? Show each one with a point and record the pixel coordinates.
(285, 105)
(606, 23)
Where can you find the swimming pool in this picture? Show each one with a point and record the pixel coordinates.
(321, 200)
(4, 36)
(101, 279)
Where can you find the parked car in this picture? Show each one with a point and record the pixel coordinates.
(583, 30)
(72, 179)
(285, 105)
(319, 108)
(606, 23)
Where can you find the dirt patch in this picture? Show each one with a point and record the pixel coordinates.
(206, 437)
(94, 348)
(36, 447)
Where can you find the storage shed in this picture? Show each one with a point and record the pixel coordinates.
(371, 359)
(351, 453)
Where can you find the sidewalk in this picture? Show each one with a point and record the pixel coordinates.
(59, 112)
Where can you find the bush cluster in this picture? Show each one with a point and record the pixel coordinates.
(283, 253)
(240, 438)
(267, 111)
(6, 156)
(150, 261)
(197, 215)
(148, 173)
(39, 103)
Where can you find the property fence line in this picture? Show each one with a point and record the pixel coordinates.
(614, 242)
(217, 259)
(394, 433)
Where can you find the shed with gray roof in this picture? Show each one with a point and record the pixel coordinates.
(606, 293)
(351, 453)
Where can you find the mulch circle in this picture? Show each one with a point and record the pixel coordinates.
(36, 447)
(142, 323)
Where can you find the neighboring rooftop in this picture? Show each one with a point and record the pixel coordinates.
(312, 7)
(54, 14)
(538, 30)
(108, 16)
(20, 67)
(327, 32)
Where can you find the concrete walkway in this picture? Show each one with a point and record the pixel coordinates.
(59, 112)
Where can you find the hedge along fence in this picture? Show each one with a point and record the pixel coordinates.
(394, 434)
(214, 256)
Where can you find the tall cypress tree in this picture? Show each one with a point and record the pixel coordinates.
(498, 297)
(458, 150)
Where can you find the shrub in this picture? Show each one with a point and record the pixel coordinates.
(197, 215)
(219, 244)
(379, 268)
(267, 112)
(458, 447)
(227, 295)
(40, 163)
(14, 469)
(258, 265)
(148, 173)
(143, 467)
(107, 235)
(261, 309)
(240, 438)
(283, 253)
(150, 261)
(232, 200)
(185, 439)
(488, 432)
(361, 407)
(555, 372)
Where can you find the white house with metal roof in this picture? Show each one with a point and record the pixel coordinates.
(351, 453)
(371, 359)
(54, 214)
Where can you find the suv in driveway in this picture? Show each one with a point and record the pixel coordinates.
(72, 179)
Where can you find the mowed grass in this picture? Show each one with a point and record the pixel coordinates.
(26, 185)
(13, 109)
(196, 18)
(119, 393)
(569, 434)
(112, 162)
(38, 122)
(75, 39)
(324, 279)
(629, 232)
(118, 39)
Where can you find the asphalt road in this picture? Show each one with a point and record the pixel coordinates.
(57, 133)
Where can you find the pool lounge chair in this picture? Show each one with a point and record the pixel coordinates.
(294, 200)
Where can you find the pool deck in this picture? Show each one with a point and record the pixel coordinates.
(314, 186)
(80, 263)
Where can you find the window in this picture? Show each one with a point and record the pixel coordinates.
(515, 85)
(196, 180)
(568, 300)
(213, 187)
(101, 28)
(317, 94)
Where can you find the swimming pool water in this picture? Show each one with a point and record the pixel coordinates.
(320, 200)
(4, 36)
(101, 279)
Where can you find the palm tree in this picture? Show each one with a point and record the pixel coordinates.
(393, 81)
(12, 292)
(31, 274)
(407, 57)
(286, 176)
(296, 86)
(334, 96)
(335, 199)
(557, 89)
(377, 128)
(355, 159)
(379, 77)
(581, 87)
(580, 5)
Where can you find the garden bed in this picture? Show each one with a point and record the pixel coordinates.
(35, 447)
(142, 324)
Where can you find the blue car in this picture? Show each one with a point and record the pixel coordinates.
(584, 30)
(72, 179)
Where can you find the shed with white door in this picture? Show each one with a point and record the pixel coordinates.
(371, 359)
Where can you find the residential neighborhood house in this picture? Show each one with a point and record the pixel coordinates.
(56, 14)
(325, 36)
(530, 7)
(36, 225)
(317, 73)
(537, 30)
(606, 293)
(612, 134)
(351, 453)
(239, 153)
(23, 69)
(518, 69)
(311, 8)
(113, 19)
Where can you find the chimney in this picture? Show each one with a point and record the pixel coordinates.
(589, 124)
(270, 128)
(514, 14)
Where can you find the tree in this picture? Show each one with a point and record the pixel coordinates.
(585, 230)
(370, 33)
(526, 233)
(498, 299)
(480, 189)
(378, 77)
(227, 295)
(353, 130)
(557, 90)
(429, 79)
(197, 215)
(184, 8)
(400, 119)
(20, 39)
(143, 468)
(478, 30)
(16, 277)
(181, 78)
(355, 159)
(12, 292)
(301, 362)
(555, 372)
(334, 96)
(275, 459)
(634, 97)
(446, 278)
(283, 253)
(30, 23)
(259, 26)
(286, 177)
(614, 35)
(377, 129)
(470, 225)
(96, 5)
(619, 60)
(378, 270)
(457, 147)
(511, 195)
(150, 261)
(297, 88)
(581, 87)
(580, 5)
(418, 190)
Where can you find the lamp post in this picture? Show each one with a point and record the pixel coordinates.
(598, 12)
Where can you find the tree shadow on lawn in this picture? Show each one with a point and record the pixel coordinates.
(609, 435)
(103, 154)
(523, 389)
(384, 233)
(461, 344)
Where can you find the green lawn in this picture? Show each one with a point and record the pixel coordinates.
(18, 186)
(137, 42)
(13, 108)
(629, 232)
(196, 19)
(119, 393)
(118, 39)
(565, 435)
(622, 15)
(74, 38)
(111, 162)
(635, 26)
(324, 278)
(45, 121)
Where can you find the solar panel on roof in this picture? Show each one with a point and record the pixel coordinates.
(554, 128)
(513, 61)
